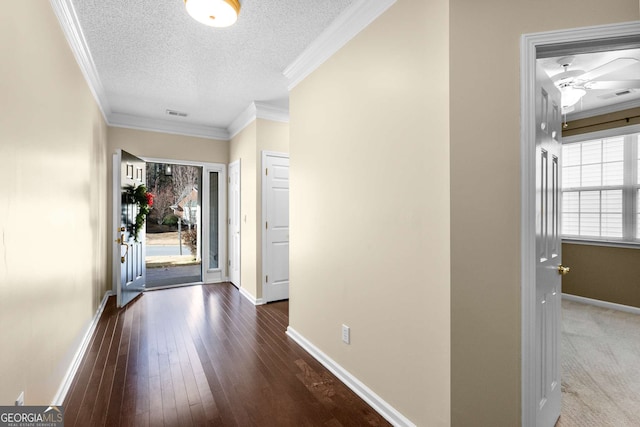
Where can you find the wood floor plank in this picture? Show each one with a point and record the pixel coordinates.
(204, 355)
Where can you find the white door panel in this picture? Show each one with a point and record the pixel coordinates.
(128, 257)
(548, 251)
(234, 223)
(276, 231)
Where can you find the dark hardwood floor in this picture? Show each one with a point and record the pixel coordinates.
(204, 355)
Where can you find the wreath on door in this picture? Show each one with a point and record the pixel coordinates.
(143, 200)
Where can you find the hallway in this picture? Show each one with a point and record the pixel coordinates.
(203, 355)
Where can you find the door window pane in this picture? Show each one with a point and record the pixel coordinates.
(213, 220)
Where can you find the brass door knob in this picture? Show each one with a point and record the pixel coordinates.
(562, 270)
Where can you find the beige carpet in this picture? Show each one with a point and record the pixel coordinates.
(600, 367)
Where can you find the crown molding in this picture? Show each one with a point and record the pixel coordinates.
(243, 120)
(257, 110)
(271, 112)
(345, 27)
(68, 20)
(613, 108)
(167, 126)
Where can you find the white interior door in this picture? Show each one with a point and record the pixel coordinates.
(234, 223)
(128, 256)
(275, 205)
(548, 251)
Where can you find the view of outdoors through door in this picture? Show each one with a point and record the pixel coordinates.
(173, 226)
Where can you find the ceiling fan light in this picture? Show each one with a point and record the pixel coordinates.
(214, 13)
(571, 95)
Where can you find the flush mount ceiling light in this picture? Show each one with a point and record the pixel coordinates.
(214, 13)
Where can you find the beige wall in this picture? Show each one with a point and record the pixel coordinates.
(53, 198)
(369, 208)
(160, 146)
(260, 135)
(485, 193)
(603, 273)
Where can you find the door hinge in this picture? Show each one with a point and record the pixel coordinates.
(229, 263)
(267, 278)
(266, 225)
(229, 220)
(266, 171)
(229, 180)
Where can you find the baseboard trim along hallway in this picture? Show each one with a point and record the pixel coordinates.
(603, 304)
(77, 358)
(250, 297)
(365, 393)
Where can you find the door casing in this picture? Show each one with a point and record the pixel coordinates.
(612, 35)
(235, 264)
(208, 276)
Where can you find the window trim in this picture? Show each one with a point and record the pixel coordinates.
(630, 187)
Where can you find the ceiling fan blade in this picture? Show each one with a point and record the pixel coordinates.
(607, 68)
(616, 84)
(610, 95)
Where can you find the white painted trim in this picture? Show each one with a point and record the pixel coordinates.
(345, 27)
(243, 120)
(376, 402)
(167, 126)
(263, 196)
(604, 243)
(61, 394)
(253, 300)
(528, 48)
(271, 112)
(602, 304)
(115, 217)
(257, 110)
(238, 164)
(68, 20)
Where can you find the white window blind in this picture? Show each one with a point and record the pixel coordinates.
(601, 189)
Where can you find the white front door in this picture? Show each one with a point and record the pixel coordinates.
(129, 265)
(234, 223)
(548, 251)
(275, 203)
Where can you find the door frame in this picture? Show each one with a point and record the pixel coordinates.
(238, 164)
(529, 45)
(220, 274)
(263, 216)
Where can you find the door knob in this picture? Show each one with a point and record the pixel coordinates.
(562, 270)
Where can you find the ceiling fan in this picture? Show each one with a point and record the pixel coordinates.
(574, 84)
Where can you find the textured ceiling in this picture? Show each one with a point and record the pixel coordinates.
(600, 98)
(151, 56)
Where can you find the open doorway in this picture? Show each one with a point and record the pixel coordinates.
(560, 45)
(173, 227)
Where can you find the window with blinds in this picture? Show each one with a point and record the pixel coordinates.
(601, 189)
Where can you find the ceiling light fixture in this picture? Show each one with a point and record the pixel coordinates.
(571, 95)
(214, 13)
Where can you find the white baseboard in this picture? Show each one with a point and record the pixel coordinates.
(58, 400)
(368, 395)
(251, 298)
(603, 304)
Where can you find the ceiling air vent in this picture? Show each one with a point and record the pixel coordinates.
(176, 113)
(624, 92)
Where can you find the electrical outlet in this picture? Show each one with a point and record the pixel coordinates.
(346, 334)
(20, 399)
